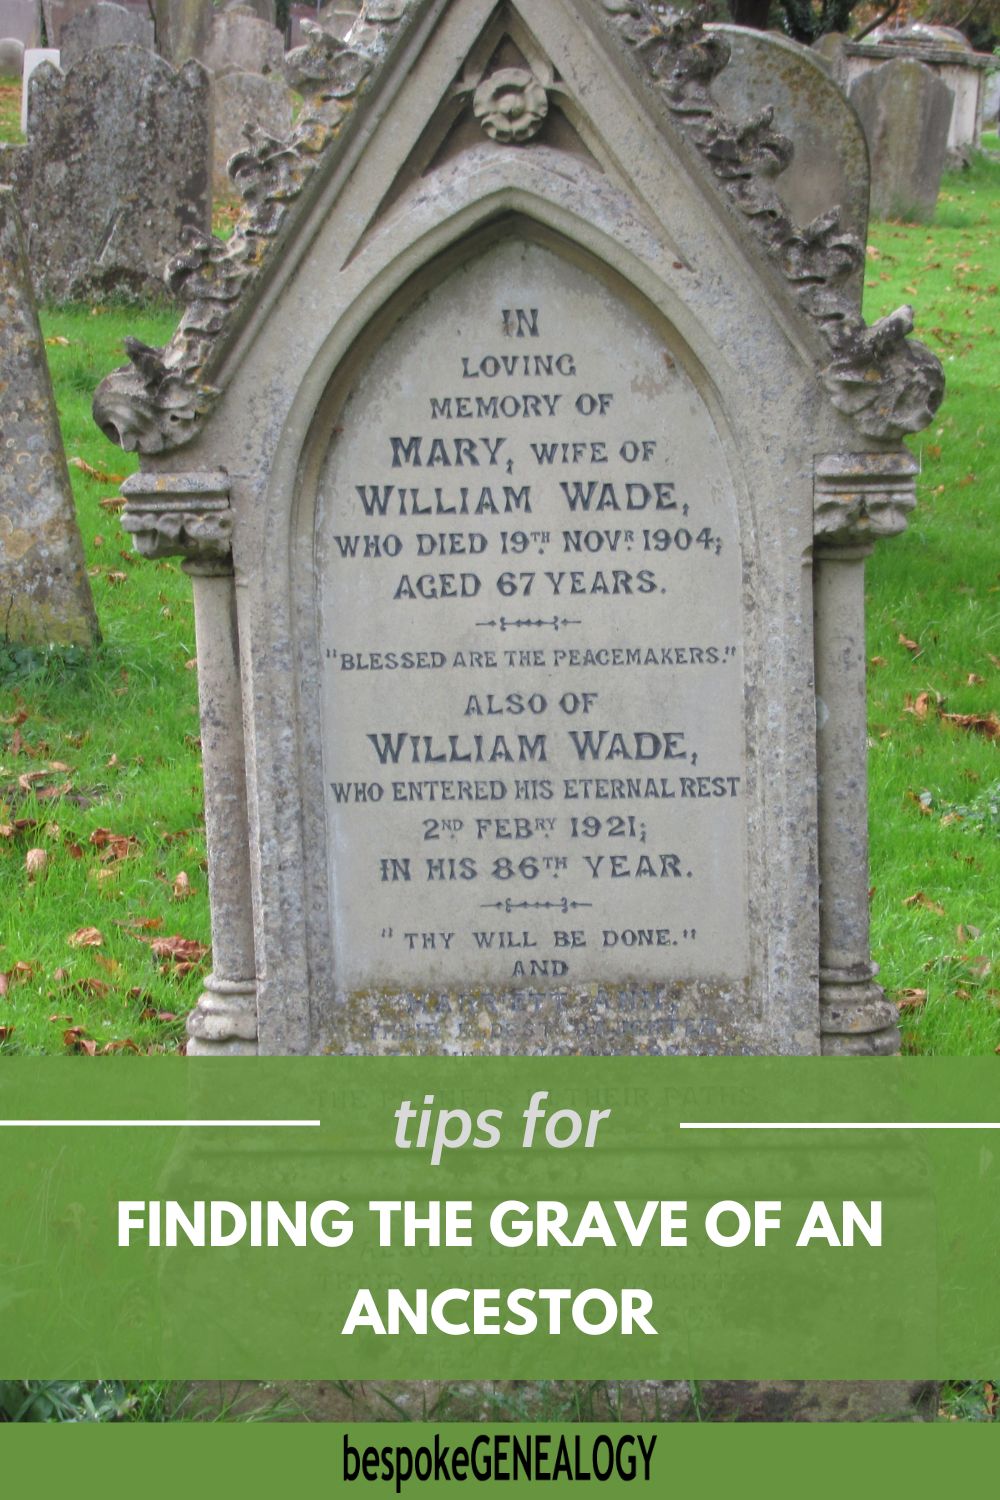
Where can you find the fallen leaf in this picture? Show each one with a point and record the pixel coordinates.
(56, 340)
(963, 995)
(114, 846)
(974, 680)
(59, 975)
(980, 966)
(56, 1019)
(190, 666)
(77, 1042)
(157, 1015)
(878, 661)
(75, 851)
(924, 801)
(913, 646)
(112, 502)
(144, 924)
(182, 886)
(911, 999)
(99, 474)
(89, 986)
(85, 937)
(918, 706)
(965, 932)
(5, 1032)
(179, 949)
(111, 965)
(35, 862)
(126, 1046)
(987, 724)
(920, 899)
(117, 578)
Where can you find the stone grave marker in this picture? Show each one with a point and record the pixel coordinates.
(45, 596)
(11, 57)
(829, 167)
(22, 19)
(239, 100)
(58, 14)
(264, 9)
(525, 455)
(240, 42)
(183, 28)
(906, 112)
(103, 25)
(33, 59)
(113, 189)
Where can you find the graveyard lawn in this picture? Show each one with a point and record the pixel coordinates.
(103, 904)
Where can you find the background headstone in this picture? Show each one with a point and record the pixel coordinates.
(906, 112)
(829, 167)
(11, 57)
(183, 28)
(104, 25)
(58, 14)
(44, 592)
(950, 58)
(33, 58)
(830, 50)
(240, 99)
(112, 189)
(263, 9)
(22, 19)
(241, 43)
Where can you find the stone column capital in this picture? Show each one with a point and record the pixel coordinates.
(181, 515)
(861, 497)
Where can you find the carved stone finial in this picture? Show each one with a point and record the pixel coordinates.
(511, 105)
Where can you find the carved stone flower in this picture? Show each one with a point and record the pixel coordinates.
(511, 105)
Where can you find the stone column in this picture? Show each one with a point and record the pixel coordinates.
(189, 516)
(860, 497)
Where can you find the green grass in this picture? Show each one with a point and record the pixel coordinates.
(116, 737)
(935, 783)
(125, 722)
(10, 110)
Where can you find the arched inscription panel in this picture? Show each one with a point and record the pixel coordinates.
(529, 595)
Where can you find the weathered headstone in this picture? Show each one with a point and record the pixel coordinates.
(58, 14)
(113, 188)
(11, 57)
(532, 449)
(45, 595)
(264, 9)
(183, 28)
(22, 19)
(906, 112)
(33, 59)
(830, 50)
(950, 58)
(242, 43)
(829, 166)
(103, 25)
(239, 100)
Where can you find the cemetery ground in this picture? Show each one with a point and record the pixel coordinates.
(104, 927)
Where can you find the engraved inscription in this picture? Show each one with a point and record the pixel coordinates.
(529, 577)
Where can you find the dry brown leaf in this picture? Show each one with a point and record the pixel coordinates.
(85, 937)
(56, 340)
(144, 924)
(980, 966)
(913, 646)
(911, 999)
(974, 680)
(191, 665)
(99, 474)
(125, 1046)
(110, 965)
(114, 846)
(919, 898)
(89, 986)
(179, 949)
(56, 1019)
(917, 706)
(878, 661)
(75, 851)
(75, 1039)
(5, 1032)
(35, 862)
(182, 886)
(987, 724)
(113, 502)
(157, 1015)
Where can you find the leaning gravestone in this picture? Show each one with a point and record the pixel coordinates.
(112, 189)
(45, 595)
(103, 25)
(242, 43)
(240, 100)
(906, 112)
(22, 19)
(546, 450)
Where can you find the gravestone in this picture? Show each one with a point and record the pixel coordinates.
(33, 59)
(241, 43)
(11, 57)
(183, 28)
(830, 163)
(906, 112)
(113, 189)
(264, 9)
(830, 51)
(59, 14)
(45, 594)
(239, 100)
(546, 450)
(103, 25)
(949, 56)
(22, 19)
